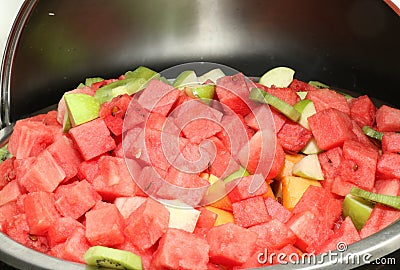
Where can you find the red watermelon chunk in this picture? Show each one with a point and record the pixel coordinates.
(75, 246)
(391, 142)
(181, 250)
(388, 119)
(147, 224)
(330, 161)
(322, 204)
(388, 186)
(158, 97)
(135, 115)
(9, 193)
(40, 212)
(326, 99)
(285, 94)
(277, 211)
(331, 128)
(206, 218)
(233, 92)
(116, 107)
(114, 179)
(92, 138)
(297, 86)
(16, 227)
(66, 156)
(293, 137)
(242, 190)
(7, 172)
(388, 166)
(358, 165)
(361, 137)
(260, 112)
(74, 200)
(44, 174)
(61, 230)
(346, 233)
(273, 235)
(230, 244)
(30, 138)
(200, 129)
(88, 170)
(381, 217)
(105, 226)
(6, 211)
(362, 110)
(223, 164)
(250, 212)
(307, 227)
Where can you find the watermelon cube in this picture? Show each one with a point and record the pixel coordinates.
(105, 226)
(388, 187)
(113, 113)
(75, 199)
(7, 172)
(388, 166)
(30, 138)
(388, 119)
(89, 169)
(92, 138)
(206, 218)
(41, 212)
(158, 97)
(380, 218)
(260, 112)
(242, 190)
(346, 233)
(147, 224)
(181, 250)
(6, 211)
(44, 174)
(250, 212)
(66, 156)
(61, 230)
(200, 129)
(358, 165)
(308, 229)
(285, 94)
(9, 193)
(277, 211)
(362, 111)
(391, 142)
(326, 99)
(230, 244)
(223, 164)
(297, 85)
(126, 205)
(135, 115)
(361, 137)
(273, 234)
(322, 204)
(233, 92)
(293, 137)
(16, 227)
(114, 179)
(76, 246)
(331, 128)
(330, 161)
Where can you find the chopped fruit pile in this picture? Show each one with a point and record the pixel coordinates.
(201, 172)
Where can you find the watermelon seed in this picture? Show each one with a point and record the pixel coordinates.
(33, 237)
(148, 186)
(329, 161)
(355, 167)
(114, 110)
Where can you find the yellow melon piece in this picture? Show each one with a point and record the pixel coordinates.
(293, 188)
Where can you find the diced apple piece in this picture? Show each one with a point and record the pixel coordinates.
(212, 75)
(279, 77)
(311, 148)
(186, 79)
(357, 209)
(181, 215)
(309, 167)
(306, 108)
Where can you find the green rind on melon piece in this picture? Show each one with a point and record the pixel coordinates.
(309, 167)
(66, 122)
(388, 200)
(279, 77)
(241, 172)
(81, 108)
(90, 81)
(318, 84)
(259, 95)
(306, 108)
(186, 79)
(311, 147)
(4, 154)
(141, 72)
(357, 209)
(212, 75)
(370, 132)
(111, 258)
(302, 94)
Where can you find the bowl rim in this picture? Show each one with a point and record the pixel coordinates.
(377, 245)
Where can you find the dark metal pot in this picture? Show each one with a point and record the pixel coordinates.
(55, 44)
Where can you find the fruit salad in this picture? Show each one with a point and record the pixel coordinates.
(203, 171)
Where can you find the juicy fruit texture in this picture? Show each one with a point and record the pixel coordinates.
(239, 167)
(112, 258)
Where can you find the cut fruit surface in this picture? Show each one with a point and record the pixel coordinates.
(82, 108)
(309, 167)
(279, 77)
(357, 209)
(186, 79)
(112, 258)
